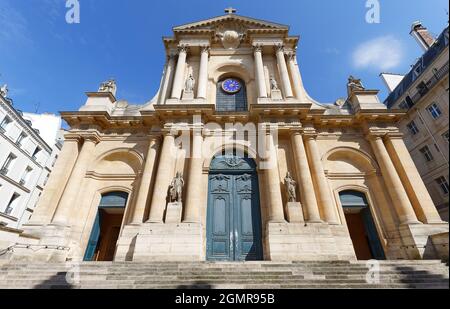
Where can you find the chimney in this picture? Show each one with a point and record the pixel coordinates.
(422, 36)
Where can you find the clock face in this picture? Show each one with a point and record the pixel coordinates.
(231, 86)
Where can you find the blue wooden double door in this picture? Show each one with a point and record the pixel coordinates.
(234, 216)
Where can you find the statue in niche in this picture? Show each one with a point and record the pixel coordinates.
(176, 188)
(4, 90)
(291, 186)
(190, 83)
(354, 84)
(274, 83)
(108, 86)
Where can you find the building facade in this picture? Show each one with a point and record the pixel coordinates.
(423, 93)
(232, 160)
(28, 151)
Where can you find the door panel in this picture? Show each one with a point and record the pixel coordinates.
(234, 220)
(93, 240)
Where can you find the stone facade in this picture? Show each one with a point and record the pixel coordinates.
(114, 146)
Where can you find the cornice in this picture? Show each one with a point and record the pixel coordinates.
(14, 114)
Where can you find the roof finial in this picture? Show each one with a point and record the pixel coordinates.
(230, 10)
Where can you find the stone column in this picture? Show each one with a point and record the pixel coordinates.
(410, 177)
(286, 81)
(395, 187)
(168, 78)
(259, 65)
(307, 197)
(203, 74)
(321, 183)
(69, 199)
(163, 179)
(56, 183)
(179, 73)
(296, 79)
(146, 181)
(193, 202)
(276, 212)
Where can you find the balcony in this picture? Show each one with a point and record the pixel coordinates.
(22, 182)
(427, 86)
(4, 171)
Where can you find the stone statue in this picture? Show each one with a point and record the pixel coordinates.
(190, 83)
(4, 90)
(108, 86)
(354, 84)
(273, 83)
(176, 188)
(291, 185)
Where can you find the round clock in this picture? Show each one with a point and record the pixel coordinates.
(231, 86)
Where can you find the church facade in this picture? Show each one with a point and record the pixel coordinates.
(232, 160)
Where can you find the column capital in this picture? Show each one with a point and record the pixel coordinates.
(72, 137)
(171, 56)
(170, 132)
(183, 48)
(92, 137)
(257, 48)
(279, 47)
(291, 55)
(374, 136)
(205, 49)
(395, 135)
(154, 137)
(296, 131)
(309, 133)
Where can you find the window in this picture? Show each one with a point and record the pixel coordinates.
(12, 203)
(427, 153)
(54, 160)
(36, 153)
(20, 139)
(412, 127)
(5, 123)
(5, 168)
(404, 105)
(46, 179)
(443, 184)
(445, 136)
(434, 110)
(26, 176)
(231, 96)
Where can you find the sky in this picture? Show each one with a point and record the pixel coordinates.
(49, 64)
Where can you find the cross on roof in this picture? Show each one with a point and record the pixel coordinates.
(230, 10)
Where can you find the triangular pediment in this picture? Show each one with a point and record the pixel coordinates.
(235, 20)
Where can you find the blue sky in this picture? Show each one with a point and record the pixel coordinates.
(49, 64)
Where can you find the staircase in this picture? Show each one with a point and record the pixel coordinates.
(249, 275)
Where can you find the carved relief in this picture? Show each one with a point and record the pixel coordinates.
(230, 34)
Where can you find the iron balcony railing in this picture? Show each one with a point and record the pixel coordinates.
(427, 86)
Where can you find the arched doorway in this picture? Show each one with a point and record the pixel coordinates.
(106, 229)
(361, 226)
(234, 215)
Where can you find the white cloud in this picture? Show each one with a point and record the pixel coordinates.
(381, 54)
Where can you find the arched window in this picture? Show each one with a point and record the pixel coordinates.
(114, 199)
(231, 95)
